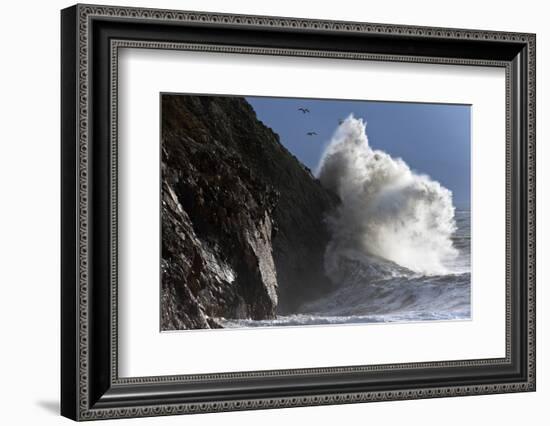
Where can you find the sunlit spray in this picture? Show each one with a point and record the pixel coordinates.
(387, 210)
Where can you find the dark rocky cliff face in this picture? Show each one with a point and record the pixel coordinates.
(243, 234)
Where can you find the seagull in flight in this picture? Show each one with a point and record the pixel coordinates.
(311, 134)
(304, 110)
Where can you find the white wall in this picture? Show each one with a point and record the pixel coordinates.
(29, 225)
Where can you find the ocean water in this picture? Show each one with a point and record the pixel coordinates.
(375, 290)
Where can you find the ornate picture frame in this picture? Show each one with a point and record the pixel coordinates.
(91, 37)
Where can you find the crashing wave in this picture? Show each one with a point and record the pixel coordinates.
(387, 210)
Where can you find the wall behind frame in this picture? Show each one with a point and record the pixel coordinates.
(30, 225)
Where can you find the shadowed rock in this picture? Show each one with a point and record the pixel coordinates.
(242, 219)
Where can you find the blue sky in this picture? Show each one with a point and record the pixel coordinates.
(433, 139)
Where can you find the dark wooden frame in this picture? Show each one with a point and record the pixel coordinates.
(90, 386)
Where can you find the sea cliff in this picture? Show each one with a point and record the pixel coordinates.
(243, 230)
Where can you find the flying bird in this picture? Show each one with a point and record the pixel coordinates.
(311, 134)
(304, 110)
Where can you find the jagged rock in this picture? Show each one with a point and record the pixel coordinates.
(242, 219)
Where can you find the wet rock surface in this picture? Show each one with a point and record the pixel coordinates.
(243, 233)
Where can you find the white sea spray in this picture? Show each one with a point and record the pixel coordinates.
(387, 210)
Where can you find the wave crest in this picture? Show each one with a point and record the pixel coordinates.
(386, 209)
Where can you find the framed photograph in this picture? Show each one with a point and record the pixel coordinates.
(263, 212)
